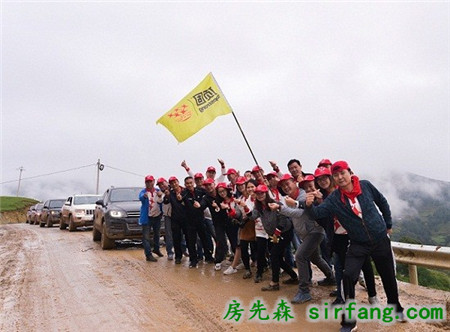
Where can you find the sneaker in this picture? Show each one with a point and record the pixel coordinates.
(334, 293)
(170, 257)
(362, 282)
(241, 266)
(193, 265)
(349, 327)
(400, 317)
(301, 297)
(373, 300)
(270, 287)
(177, 260)
(328, 281)
(158, 253)
(290, 281)
(247, 274)
(258, 279)
(338, 301)
(230, 270)
(218, 267)
(151, 258)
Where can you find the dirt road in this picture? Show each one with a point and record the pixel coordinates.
(53, 280)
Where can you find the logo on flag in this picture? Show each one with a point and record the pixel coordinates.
(196, 110)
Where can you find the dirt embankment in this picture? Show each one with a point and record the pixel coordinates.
(13, 217)
(53, 280)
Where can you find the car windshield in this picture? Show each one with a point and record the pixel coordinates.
(78, 200)
(125, 194)
(56, 204)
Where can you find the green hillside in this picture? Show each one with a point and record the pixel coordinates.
(11, 203)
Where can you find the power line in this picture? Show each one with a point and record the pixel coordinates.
(38, 176)
(117, 169)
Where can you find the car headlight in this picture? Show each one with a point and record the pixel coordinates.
(80, 211)
(117, 214)
(54, 212)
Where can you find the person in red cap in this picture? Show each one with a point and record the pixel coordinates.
(198, 178)
(210, 171)
(222, 226)
(258, 174)
(232, 176)
(310, 233)
(338, 241)
(280, 230)
(273, 180)
(357, 204)
(150, 217)
(325, 163)
(178, 220)
(191, 197)
(166, 218)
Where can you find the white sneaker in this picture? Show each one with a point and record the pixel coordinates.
(230, 270)
(218, 267)
(241, 266)
(373, 300)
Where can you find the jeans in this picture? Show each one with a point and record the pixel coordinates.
(277, 257)
(210, 233)
(168, 237)
(155, 224)
(309, 252)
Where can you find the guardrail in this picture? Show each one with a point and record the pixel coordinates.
(422, 255)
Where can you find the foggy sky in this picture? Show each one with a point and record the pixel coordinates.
(363, 82)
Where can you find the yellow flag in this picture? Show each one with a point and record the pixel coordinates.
(198, 109)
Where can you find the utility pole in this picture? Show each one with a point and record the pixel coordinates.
(21, 169)
(100, 167)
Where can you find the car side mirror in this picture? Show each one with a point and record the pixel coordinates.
(45, 207)
(100, 202)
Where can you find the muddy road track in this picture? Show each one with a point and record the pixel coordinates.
(53, 280)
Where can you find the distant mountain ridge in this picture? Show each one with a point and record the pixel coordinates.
(420, 207)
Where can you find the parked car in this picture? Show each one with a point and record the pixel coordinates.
(77, 211)
(30, 212)
(35, 217)
(51, 212)
(116, 216)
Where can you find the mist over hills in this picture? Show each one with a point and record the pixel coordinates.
(420, 207)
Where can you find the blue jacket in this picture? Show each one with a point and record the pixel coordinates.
(372, 227)
(143, 217)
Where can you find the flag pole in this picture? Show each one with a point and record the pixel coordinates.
(237, 122)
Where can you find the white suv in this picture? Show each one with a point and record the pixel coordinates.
(78, 211)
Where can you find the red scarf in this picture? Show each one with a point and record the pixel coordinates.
(356, 191)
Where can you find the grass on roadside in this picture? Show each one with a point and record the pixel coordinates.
(11, 203)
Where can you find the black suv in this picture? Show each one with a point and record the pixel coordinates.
(116, 216)
(51, 212)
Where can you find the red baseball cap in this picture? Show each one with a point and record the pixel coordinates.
(261, 189)
(231, 171)
(307, 178)
(173, 178)
(241, 180)
(324, 162)
(161, 180)
(211, 169)
(286, 177)
(198, 176)
(322, 171)
(149, 178)
(256, 169)
(271, 174)
(339, 166)
(208, 181)
(222, 185)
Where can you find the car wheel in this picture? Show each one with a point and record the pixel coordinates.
(62, 224)
(96, 235)
(49, 222)
(72, 226)
(105, 241)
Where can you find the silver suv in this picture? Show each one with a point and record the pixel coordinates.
(77, 211)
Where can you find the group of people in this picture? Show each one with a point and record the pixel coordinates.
(330, 217)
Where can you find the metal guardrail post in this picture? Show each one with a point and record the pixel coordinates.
(413, 278)
(421, 255)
